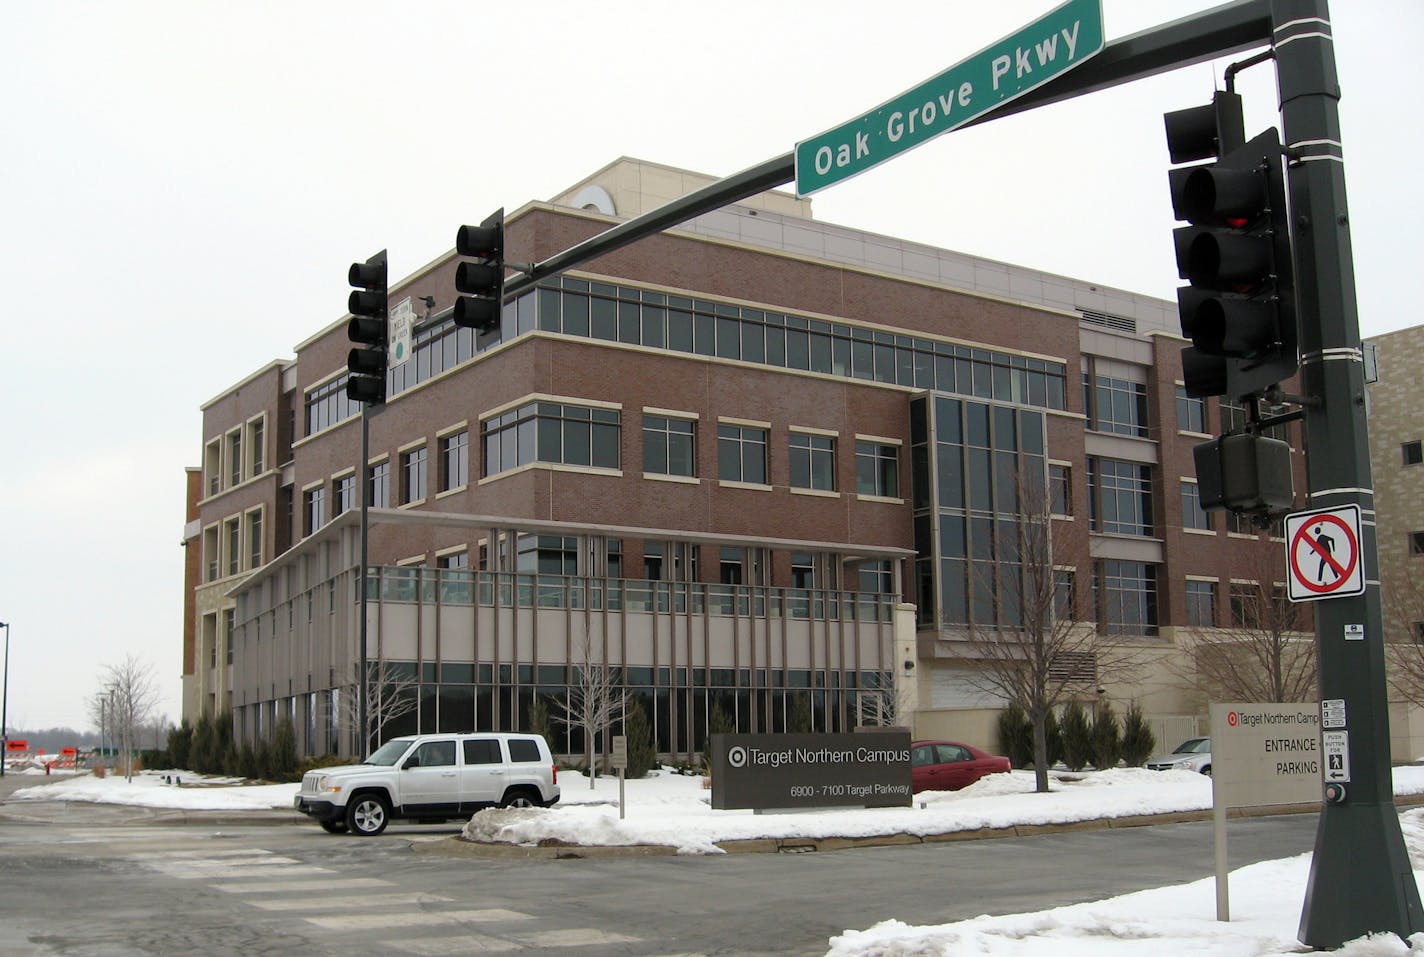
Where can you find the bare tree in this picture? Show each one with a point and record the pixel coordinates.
(1051, 654)
(129, 697)
(1403, 601)
(392, 692)
(1261, 654)
(594, 700)
(883, 703)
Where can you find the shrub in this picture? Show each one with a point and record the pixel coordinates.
(798, 718)
(1053, 736)
(642, 752)
(1107, 737)
(180, 740)
(282, 752)
(1077, 737)
(1138, 741)
(1016, 736)
(539, 719)
(718, 722)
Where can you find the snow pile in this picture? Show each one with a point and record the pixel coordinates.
(149, 789)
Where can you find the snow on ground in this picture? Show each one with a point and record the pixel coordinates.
(671, 809)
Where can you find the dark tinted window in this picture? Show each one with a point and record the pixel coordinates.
(482, 751)
(523, 751)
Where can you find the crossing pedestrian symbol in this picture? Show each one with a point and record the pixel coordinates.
(1323, 554)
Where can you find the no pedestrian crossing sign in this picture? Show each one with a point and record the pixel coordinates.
(1323, 554)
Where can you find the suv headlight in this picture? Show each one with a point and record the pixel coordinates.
(325, 784)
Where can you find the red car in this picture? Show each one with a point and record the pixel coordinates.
(949, 765)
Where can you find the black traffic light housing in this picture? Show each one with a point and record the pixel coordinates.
(1245, 472)
(480, 278)
(1239, 309)
(366, 363)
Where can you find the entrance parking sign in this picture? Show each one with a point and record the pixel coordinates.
(1323, 554)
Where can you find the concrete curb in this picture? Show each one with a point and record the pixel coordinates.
(554, 850)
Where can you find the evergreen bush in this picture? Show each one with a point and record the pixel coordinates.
(1053, 735)
(1077, 737)
(718, 722)
(1107, 736)
(642, 751)
(180, 740)
(1138, 740)
(1016, 736)
(798, 718)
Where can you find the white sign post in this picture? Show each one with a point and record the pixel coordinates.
(620, 762)
(1261, 754)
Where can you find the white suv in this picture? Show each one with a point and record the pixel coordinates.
(431, 777)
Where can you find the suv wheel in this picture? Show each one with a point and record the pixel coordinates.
(368, 814)
(520, 797)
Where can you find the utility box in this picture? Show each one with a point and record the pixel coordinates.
(1245, 473)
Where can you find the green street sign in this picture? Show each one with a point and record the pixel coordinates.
(1031, 56)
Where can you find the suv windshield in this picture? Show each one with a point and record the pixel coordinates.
(388, 753)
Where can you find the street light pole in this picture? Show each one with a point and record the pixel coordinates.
(5, 704)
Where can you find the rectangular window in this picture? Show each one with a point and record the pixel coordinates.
(1246, 601)
(1201, 604)
(669, 445)
(1416, 543)
(212, 466)
(454, 461)
(547, 554)
(256, 440)
(1191, 412)
(551, 432)
(813, 461)
(229, 627)
(344, 495)
(413, 471)
(254, 539)
(1413, 452)
(234, 458)
(1119, 406)
(233, 528)
(1119, 497)
(1233, 415)
(1192, 514)
(379, 477)
(1239, 523)
(1064, 593)
(1060, 489)
(741, 454)
(877, 469)
(313, 509)
(1126, 597)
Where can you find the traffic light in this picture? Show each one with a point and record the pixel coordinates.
(1245, 472)
(481, 279)
(1239, 309)
(366, 363)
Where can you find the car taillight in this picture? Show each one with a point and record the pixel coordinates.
(556, 774)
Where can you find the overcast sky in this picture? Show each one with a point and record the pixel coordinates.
(184, 185)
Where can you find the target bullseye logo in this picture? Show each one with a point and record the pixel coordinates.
(737, 757)
(1233, 719)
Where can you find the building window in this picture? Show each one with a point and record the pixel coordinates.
(327, 405)
(669, 446)
(741, 454)
(256, 441)
(1119, 497)
(454, 461)
(876, 576)
(1065, 585)
(877, 469)
(413, 468)
(552, 432)
(313, 509)
(1192, 514)
(813, 461)
(344, 495)
(1246, 605)
(1191, 411)
(254, 539)
(547, 555)
(1060, 489)
(234, 458)
(1126, 597)
(731, 571)
(379, 477)
(1413, 452)
(229, 628)
(1233, 415)
(1239, 523)
(234, 546)
(1416, 543)
(1115, 405)
(1201, 604)
(453, 560)
(212, 466)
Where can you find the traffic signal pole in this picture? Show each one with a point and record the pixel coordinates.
(1361, 880)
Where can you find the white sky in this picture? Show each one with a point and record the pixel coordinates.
(1265, 899)
(184, 184)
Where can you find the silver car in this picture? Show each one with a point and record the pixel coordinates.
(1194, 754)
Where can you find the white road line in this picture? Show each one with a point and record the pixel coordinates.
(424, 919)
(574, 937)
(452, 946)
(198, 853)
(341, 903)
(281, 887)
(191, 871)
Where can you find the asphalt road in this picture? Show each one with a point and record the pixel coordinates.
(84, 881)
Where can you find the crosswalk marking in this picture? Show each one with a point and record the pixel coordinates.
(216, 869)
(205, 854)
(574, 937)
(342, 903)
(276, 887)
(451, 946)
(425, 919)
